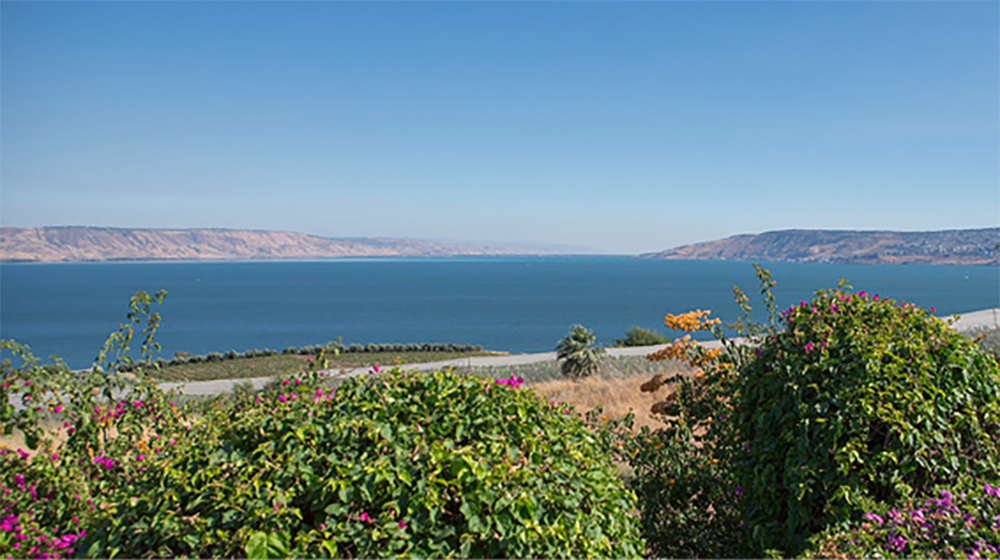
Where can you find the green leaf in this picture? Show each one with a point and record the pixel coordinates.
(267, 545)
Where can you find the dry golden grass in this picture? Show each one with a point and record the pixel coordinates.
(617, 396)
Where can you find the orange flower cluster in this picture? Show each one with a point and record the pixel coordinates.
(680, 350)
(674, 350)
(690, 321)
(711, 354)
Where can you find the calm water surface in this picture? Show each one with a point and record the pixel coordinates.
(513, 304)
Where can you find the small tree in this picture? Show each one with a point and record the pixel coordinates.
(579, 356)
(638, 336)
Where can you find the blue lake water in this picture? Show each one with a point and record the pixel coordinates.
(513, 304)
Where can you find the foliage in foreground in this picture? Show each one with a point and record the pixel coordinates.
(682, 473)
(423, 464)
(859, 401)
(844, 428)
(961, 522)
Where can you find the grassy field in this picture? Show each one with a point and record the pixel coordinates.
(615, 389)
(612, 367)
(273, 366)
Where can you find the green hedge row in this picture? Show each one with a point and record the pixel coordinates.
(183, 358)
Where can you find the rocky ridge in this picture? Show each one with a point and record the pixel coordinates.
(962, 246)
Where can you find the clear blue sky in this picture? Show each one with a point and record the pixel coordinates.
(613, 127)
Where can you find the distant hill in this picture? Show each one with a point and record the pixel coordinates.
(960, 246)
(92, 244)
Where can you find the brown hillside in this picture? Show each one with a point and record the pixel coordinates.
(82, 244)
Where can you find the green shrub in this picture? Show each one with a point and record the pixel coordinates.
(858, 401)
(687, 496)
(638, 336)
(683, 472)
(392, 464)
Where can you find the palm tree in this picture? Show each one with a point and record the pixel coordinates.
(580, 358)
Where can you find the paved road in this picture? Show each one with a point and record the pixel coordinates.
(986, 317)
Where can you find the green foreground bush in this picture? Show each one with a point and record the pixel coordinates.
(417, 464)
(859, 401)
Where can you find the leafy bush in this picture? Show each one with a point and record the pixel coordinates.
(638, 336)
(683, 472)
(393, 464)
(858, 401)
(687, 497)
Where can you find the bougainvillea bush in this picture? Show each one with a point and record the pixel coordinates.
(858, 403)
(416, 464)
(962, 522)
(39, 507)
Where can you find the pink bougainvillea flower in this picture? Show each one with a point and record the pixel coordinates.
(873, 517)
(933, 310)
(365, 518)
(282, 398)
(401, 524)
(375, 369)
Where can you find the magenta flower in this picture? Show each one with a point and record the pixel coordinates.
(808, 347)
(365, 518)
(874, 518)
(282, 398)
(401, 524)
(897, 543)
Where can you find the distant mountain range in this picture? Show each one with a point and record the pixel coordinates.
(960, 246)
(94, 244)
